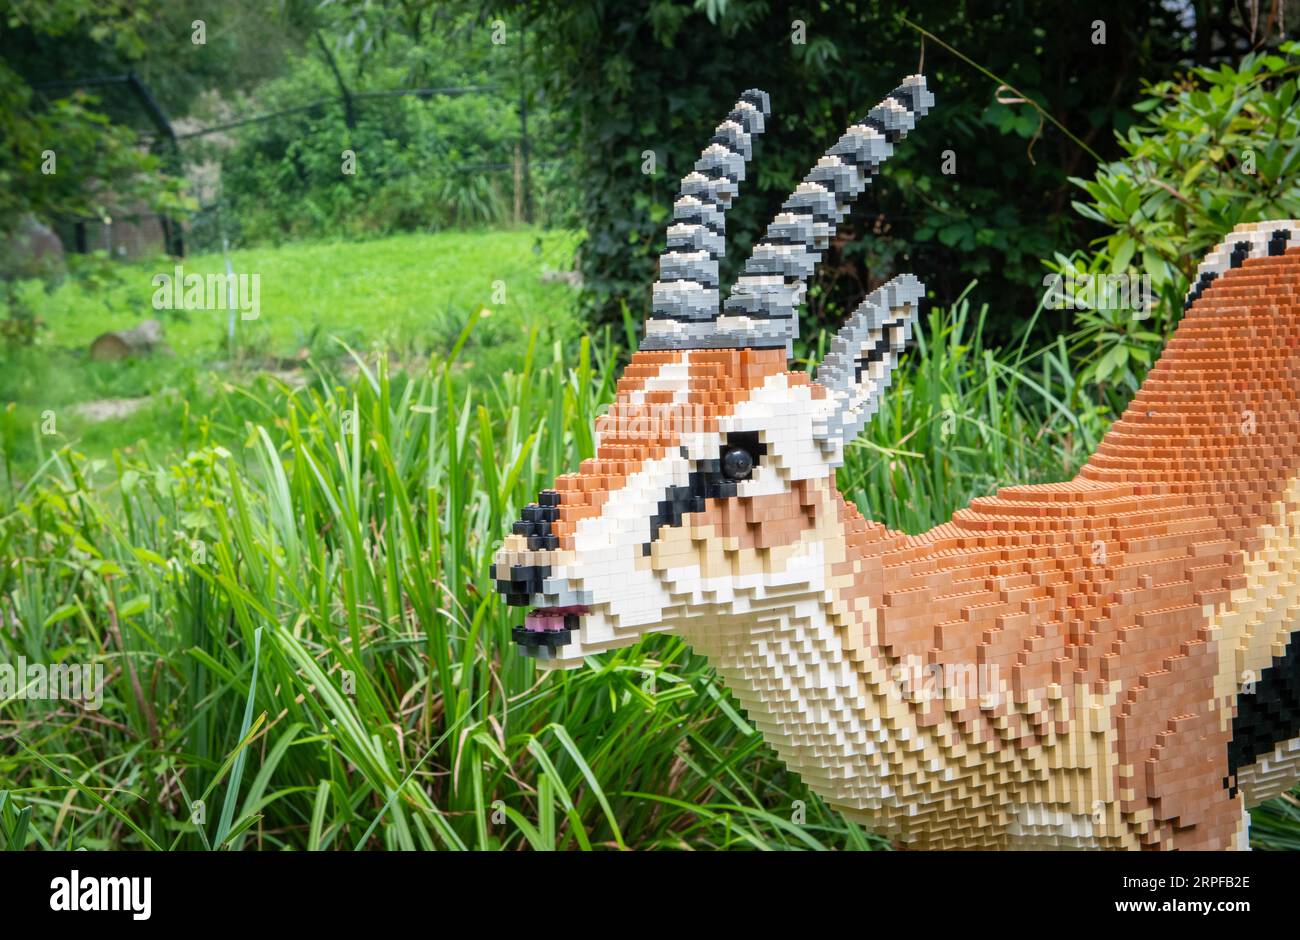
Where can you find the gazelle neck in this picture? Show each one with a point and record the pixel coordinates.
(803, 692)
(808, 670)
(799, 663)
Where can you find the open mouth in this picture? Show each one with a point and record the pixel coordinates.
(546, 629)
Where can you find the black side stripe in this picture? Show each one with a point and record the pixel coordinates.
(1267, 717)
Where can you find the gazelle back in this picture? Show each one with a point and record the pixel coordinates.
(1100, 663)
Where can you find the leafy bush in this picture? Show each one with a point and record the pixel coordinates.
(64, 158)
(421, 162)
(667, 72)
(1218, 147)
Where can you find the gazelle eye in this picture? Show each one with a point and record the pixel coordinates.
(737, 464)
(737, 458)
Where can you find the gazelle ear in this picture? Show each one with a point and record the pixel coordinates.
(857, 369)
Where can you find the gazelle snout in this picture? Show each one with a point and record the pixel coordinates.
(533, 539)
(522, 573)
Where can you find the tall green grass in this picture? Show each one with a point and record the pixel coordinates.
(305, 651)
(960, 420)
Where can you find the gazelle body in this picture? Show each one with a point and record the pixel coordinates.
(1103, 663)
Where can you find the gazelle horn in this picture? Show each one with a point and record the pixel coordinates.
(761, 309)
(685, 296)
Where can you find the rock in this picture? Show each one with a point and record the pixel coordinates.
(31, 250)
(144, 340)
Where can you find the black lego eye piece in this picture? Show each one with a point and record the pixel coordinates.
(737, 464)
(739, 454)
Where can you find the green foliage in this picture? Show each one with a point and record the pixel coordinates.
(667, 73)
(1217, 148)
(285, 178)
(351, 524)
(420, 162)
(13, 823)
(63, 157)
(117, 24)
(243, 42)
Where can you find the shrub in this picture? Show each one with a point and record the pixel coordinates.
(1218, 147)
(420, 163)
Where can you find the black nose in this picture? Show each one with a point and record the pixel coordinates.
(520, 582)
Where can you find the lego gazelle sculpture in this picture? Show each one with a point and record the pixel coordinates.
(1103, 663)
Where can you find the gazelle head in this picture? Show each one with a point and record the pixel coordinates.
(711, 492)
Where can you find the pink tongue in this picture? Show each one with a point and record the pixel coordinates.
(549, 619)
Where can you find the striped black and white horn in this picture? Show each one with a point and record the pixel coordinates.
(762, 308)
(685, 300)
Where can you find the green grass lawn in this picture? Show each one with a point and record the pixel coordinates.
(407, 292)
(410, 295)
